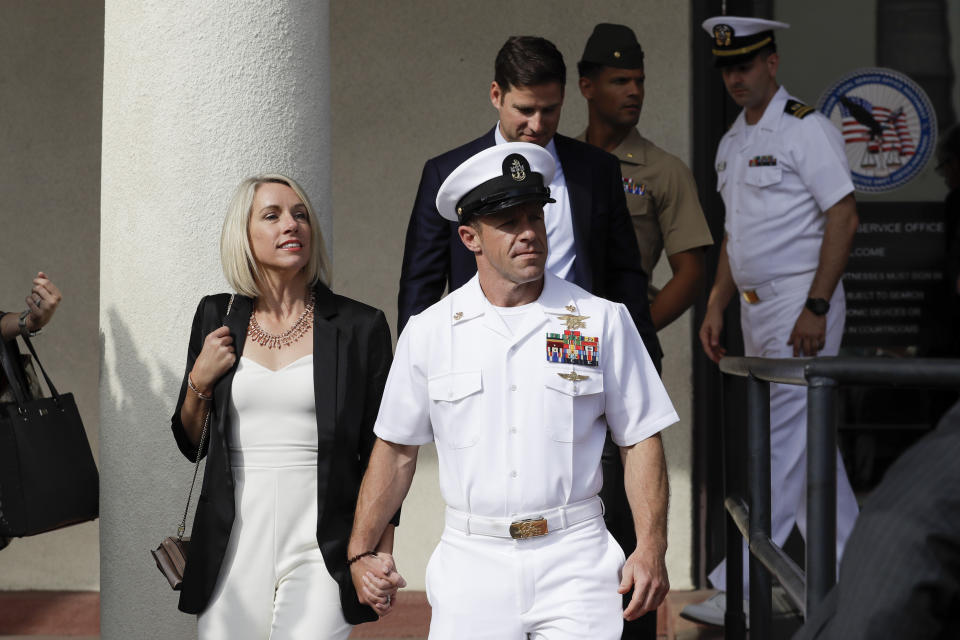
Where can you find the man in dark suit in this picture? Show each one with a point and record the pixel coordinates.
(900, 575)
(589, 229)
(589, 232)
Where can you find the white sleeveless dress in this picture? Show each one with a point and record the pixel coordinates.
(273, 582)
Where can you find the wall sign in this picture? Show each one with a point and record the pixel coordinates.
(888, 124)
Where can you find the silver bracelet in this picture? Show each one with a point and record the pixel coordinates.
(195, 390)
(22, 323)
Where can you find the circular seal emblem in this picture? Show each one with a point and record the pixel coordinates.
(888, 126)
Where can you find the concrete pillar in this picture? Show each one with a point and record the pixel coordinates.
(196, 96)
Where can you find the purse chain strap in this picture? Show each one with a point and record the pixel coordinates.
(203, 440)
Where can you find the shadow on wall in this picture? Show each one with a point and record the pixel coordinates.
(144, 485)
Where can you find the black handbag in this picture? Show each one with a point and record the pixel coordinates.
(48, 478)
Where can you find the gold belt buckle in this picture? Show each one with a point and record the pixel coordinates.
(750, 296)
(530, 528)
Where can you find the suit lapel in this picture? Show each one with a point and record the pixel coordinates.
(326, 368)
(328, 384)
(237, 321)
(577, 177)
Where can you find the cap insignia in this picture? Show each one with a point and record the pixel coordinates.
(517, 166)
(723, 34)
(616, 54)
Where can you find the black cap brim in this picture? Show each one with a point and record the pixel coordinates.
(506, 203)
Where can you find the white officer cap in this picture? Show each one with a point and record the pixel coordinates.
(497, 178)
(737, 39)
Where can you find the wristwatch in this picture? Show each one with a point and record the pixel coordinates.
(23, 326)
(818, 306)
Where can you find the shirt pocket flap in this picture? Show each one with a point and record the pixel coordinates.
(762, 176)
(454, 386)
(639, 205)
(590, 384)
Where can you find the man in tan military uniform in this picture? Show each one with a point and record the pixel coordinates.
(659, 188)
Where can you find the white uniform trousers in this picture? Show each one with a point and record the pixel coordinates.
(273, 582)
(561, 586)
(766, 329)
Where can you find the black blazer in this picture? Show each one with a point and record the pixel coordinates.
(351, 358)
(607, 262)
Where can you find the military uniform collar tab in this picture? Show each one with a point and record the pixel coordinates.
(467, 302)
(774, 110)
(633, 149)
(556, 298)
(738, 124)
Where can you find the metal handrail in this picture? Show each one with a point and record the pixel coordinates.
(750, 520)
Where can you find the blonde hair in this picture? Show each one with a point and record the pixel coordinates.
(239, 266)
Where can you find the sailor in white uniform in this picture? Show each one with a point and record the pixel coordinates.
(517, 376)
(790, 220)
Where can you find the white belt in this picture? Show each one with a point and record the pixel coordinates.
(529, 526)
(768, 290)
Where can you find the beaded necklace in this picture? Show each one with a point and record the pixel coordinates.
(288, 337)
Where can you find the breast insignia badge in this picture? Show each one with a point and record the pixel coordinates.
(571, 321)
(573, 376)
(570, 308)
(458, 315)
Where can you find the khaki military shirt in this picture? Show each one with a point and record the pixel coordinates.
(662, 198)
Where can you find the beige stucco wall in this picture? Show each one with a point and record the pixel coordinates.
(411, 80)
(50, 78)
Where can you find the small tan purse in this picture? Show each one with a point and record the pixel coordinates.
(171, 555)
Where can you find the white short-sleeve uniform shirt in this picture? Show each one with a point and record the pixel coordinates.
(777, 177)
(513, 436)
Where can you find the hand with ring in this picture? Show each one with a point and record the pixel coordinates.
(42, 302)
(377, 581)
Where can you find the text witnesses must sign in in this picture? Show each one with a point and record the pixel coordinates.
(894, 278)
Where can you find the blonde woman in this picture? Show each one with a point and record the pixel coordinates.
(291, 378)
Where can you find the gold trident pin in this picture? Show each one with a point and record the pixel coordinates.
(572, 322)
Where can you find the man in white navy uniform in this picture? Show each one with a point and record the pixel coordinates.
(517, 376)
(790, 220)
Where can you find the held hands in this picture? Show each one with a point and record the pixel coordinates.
(377, 581)
(809, 334)
(710, 334)
(42, 302)
(646, 572)
(215, 359)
